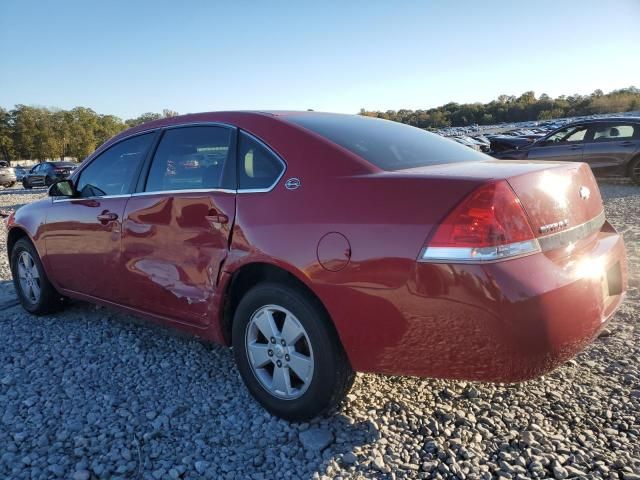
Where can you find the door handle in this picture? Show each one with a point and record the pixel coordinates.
(627, 144)
(216, 217)
(106, 217)
(575, 147)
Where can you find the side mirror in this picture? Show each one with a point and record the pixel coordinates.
(63, 188)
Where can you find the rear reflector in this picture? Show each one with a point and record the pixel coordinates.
(489, 224)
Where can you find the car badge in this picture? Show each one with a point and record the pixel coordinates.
(292, 184)
(554, 227)
(585, 193)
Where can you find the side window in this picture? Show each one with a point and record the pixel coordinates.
(113, 171)
(258, 167)
(606, 133)
(192, 158)
(568, 135)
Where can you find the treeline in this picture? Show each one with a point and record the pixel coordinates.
(28, 132)
(41, 133)
(509, 109)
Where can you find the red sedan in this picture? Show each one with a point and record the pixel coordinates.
(322, 244)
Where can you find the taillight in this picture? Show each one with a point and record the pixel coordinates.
(489, 224)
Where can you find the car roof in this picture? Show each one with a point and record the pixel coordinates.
(631, 119)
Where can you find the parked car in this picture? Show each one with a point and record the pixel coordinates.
(20, 171)
(47, 173)
(7, 174)
(608, 145)
(507, 143)
(322, 244)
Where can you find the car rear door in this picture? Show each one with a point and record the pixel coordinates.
(566, 144)
(83, 234)
(612, 145)
(177, 227)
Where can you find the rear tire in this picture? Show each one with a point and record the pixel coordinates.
(634, 170)
(34, 290)
(288, 353)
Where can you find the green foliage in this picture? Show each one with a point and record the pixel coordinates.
(508, 108)
(42, 133)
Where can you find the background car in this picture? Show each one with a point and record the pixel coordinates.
(609, 145)
(21, 172)
(322, 244)
(47, 173)
(7, 174)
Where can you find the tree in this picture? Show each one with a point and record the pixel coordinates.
(144, 118)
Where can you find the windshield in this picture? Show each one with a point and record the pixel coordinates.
(387, 145)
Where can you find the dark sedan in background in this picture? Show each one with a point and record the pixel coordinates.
(47, 173)
(609, 146)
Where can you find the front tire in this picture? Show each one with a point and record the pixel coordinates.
(35, 292)
(288, 352)
(634, 170)
(26, 184)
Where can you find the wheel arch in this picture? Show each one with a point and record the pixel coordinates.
(15, 234)
(634, 159)
(251, 274)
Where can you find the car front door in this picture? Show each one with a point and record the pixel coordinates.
(566, 144)
(177, 227)
(612, 145)
(83, 233)
(36, 175)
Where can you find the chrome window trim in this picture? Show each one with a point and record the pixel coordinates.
(87, 161)
(269, 149)
(186, 190)
(70, 199)
(99, 151)
(145, 194)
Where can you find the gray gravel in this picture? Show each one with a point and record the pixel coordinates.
(92, 393)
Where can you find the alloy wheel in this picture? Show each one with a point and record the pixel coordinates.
(279, 352)
(29, 277)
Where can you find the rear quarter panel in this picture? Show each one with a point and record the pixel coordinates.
(386, 218)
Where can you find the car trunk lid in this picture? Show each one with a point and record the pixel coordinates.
(550, 192)
(558, 199)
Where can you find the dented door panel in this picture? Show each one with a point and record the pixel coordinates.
(173, 246)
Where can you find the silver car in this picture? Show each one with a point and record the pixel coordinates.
(7, 175)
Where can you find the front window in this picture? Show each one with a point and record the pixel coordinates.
(113, 171)
(387, 145)
(572, 134)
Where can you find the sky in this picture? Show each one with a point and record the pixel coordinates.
(130, 57)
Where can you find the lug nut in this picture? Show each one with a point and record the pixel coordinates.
(273, 340)
(279, 363)
(287, 357)
(283, 343)
(270, 353)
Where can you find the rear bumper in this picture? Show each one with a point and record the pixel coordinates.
(502, 322)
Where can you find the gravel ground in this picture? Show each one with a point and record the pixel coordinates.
(91, 393)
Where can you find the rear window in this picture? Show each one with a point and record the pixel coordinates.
(387, 145)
